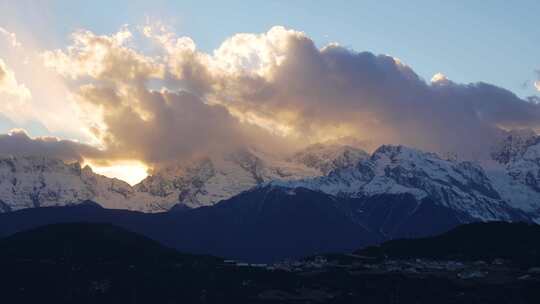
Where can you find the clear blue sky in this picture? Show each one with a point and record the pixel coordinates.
(493, 41)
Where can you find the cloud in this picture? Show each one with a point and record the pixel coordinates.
(272, 87)
(35, 95)
(161, 126)
(282, 79)
(440, 79)
(375, 97)
(102, 57)
(136, 121)
(11, 37)
(13, 94)
(9, 84)
(537, 82)
(17, 142)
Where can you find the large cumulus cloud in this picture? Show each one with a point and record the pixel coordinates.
(282, 77)
(140, 118)
(273, 87)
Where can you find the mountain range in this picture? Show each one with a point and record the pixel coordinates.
(254, 207)
(34, 181)
(510, 183)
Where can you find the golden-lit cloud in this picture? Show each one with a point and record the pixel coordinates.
(15, 96)
(440, 78)
(9, 84)
(102, 57)
(281, 78)
(38, 94)
(154, 125)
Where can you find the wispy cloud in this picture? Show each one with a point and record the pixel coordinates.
(11, 37)
(537, 82)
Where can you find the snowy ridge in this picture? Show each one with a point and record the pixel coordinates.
(518, 178)
(328, 158)
(342, 171)
(27, 182)
(513, 145)
(209, 180)
(461, 186)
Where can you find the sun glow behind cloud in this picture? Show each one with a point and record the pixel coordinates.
(132, 172)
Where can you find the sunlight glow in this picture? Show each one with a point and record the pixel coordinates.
(132, 172)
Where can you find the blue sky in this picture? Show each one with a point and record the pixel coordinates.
(492, 41)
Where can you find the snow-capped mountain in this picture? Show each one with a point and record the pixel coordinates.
(517, 179)
(343, 171)
(289, 208)
(208, 180)
(513, 145)
(27, 182)
(394, 170)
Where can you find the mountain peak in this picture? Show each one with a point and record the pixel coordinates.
(328, 158)
(395, 170)
(396, 152)
(513, 145)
